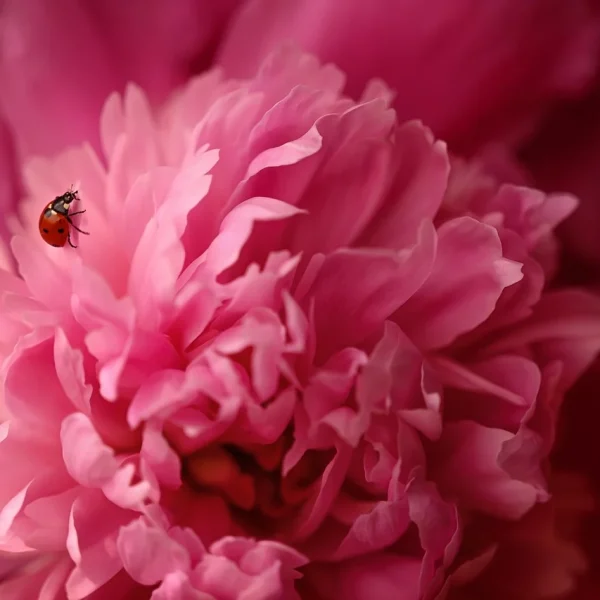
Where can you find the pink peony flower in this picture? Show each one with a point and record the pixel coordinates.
(299, 351)
(59, 60)
(473, 71)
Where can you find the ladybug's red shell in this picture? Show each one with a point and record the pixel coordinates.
(54, 227)
(56, 220)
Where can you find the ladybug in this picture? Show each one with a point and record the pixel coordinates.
(55, 220)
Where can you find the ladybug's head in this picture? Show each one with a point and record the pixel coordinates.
(68, 197)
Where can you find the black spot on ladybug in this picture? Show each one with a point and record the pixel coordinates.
(45, 230)
(61, 230)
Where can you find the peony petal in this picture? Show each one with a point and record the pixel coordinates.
(348, 188)
(160, 250)
(167, 391)
(89, 461)
(416, 192)
(44, 581)
(177, 586)
(161, 458)
(91, 543)
(236, 228)
(374, 529)
(32, 390)
(346, 314)
(149, 554)
(468, 468)
(47, 280)
(468, 277)
(70, 371)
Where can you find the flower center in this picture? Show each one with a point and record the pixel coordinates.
(250, 480)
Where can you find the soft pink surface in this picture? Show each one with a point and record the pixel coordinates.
(472, 71)
(565, 155)
(59, 60)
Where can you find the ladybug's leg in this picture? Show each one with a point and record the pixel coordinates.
(70, 242)
(75, 226)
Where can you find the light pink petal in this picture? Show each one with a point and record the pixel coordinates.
(468, 276)
(289, 153)
(47, 281)
(265, 424)
(314, 512)
(439, 530)
(346, 314)
(330, 386)
(21, 454)
(10, 511)
(530, 212)
(43, 581)
(177, 586)
(21, 525)
(396, 378)
(149, 554)
(43, 522)
(146, 195)
(161, 458)
(167, 391)
(126, 355)
(374, 528)
(221, 578)
(262, 331)
(32, 390)
(156, 265)
(516, 301)
(160, 256)
(346, 191)
(255, 556)
(136, 151)
(288, 65)
(91, 543)
(249, 570)
(70, 371)
(469, 469)
(89, 461)
(237, 228)
(416, 192)
(125, 490)
(95, 304)
(194, 307)
(495, 392)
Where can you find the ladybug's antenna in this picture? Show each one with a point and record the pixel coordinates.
(73, 192)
